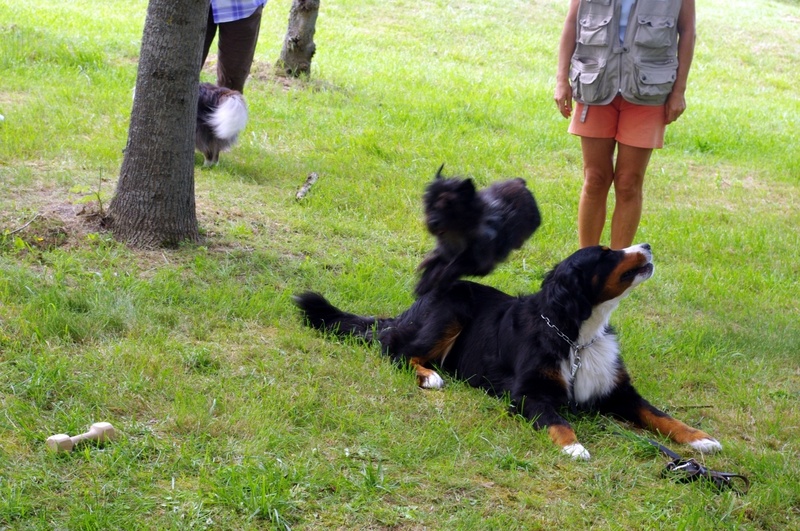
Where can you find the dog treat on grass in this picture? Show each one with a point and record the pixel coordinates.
(99, 432)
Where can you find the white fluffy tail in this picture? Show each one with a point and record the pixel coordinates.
(229, 118)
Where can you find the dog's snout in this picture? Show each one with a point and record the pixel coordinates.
(640, 248)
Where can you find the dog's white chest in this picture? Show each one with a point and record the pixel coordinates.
(596, 374)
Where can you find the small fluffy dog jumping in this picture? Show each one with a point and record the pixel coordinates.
(543, 350)
(474, 230)
(221, 116)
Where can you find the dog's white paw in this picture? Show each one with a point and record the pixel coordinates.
(706, 446)
(432, 381)
(576, 451)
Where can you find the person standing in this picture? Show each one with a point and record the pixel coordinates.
(626, 65)
(237, 22)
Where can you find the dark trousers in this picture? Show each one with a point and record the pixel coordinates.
(236, 48)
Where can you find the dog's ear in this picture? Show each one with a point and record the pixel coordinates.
(439, 172)
(467, 186)
(566, 287)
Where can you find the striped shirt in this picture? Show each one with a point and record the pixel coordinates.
(230, 10)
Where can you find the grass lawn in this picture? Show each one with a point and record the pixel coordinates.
(232, 415)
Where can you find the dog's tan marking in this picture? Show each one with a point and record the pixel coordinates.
(615, 286)
(562, 435)
(426, 377)
(672, 428)
(555, 375)
(436, 354)
(442, 348)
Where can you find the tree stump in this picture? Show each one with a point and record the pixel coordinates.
(298, 46)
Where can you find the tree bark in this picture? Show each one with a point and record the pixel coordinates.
(298, 45)
(154, 204)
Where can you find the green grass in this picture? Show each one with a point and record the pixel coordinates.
(233, 416)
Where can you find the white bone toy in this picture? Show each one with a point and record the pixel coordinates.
(99, 431)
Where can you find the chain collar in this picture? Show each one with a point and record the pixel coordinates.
(576, 361)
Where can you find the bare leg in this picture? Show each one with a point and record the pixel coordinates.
(628, 183)
(598, 174)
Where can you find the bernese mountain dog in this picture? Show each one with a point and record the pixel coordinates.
(543, 351)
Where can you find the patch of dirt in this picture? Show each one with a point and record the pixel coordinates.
(267, 72)
(58, 224)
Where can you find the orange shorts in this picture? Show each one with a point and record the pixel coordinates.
(634, 125)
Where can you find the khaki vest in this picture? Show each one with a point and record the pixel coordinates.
(642, 69)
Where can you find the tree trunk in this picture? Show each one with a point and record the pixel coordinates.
(298, 46)
(154, 203)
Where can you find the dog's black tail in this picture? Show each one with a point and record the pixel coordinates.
(320, 314)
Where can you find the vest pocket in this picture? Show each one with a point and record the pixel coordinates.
(594, 30)
(654, 81)
(587, 80)
(654, 31)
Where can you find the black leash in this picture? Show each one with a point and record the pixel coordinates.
(689, 470)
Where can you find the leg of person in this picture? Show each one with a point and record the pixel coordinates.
(597, 127)
(628, 183)
(598, 174)
(211, 32)
(237, 47)
(641, 129)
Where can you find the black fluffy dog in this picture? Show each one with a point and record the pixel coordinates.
(475, 230)
(542, 350)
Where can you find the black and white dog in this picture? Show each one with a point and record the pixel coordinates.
(543, 351)
(221, 116)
